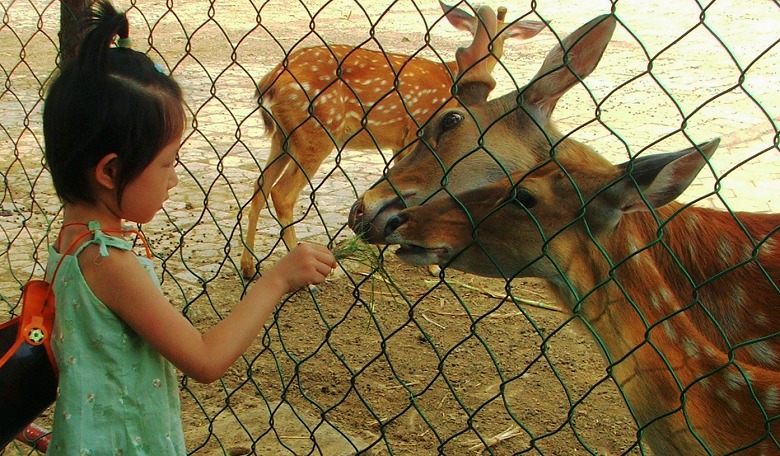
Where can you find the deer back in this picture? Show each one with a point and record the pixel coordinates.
(368, 99)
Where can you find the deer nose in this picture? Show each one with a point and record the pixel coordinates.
(394, 222)
(356, 215)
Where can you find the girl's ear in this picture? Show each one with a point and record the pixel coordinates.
(106, 171)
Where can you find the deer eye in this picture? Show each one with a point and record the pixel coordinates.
(451, 120)
(523, 197)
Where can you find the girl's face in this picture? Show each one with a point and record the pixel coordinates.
(145, 195)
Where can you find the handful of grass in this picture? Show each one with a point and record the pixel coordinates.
(356, 250)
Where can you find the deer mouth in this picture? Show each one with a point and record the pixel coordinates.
(419, 255)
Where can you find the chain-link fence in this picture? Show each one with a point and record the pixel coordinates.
(385, 358)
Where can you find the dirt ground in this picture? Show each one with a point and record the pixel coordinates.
(414, 366)
(417, 366)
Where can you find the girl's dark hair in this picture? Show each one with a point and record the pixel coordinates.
(107, 99)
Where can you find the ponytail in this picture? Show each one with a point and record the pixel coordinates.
(103, 25)
(110, 99)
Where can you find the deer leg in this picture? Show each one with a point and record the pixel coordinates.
(276, 163)
(287, 190)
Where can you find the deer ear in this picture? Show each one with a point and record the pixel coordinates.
(475, 62)
(658, 179)
(567, 64)
(460, 19)
(524, 29)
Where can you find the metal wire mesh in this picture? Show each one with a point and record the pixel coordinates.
(411, 364)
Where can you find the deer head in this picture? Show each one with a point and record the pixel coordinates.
(473, 141)
(533, 223)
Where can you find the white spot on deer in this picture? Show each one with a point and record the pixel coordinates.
(760, 318)
(632, 248)
(730, 320)
(268, 101)
(725, 250)
(735, 380)
(763, 353)
(659, 297)
(691, 220)
(669, 330)
(690, 347)
(731, 401)
(768, 247)
(772, 397)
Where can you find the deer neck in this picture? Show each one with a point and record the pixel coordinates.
(642, 272)
(645, 306)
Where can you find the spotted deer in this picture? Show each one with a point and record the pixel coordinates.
(346, 97)
(683, 301)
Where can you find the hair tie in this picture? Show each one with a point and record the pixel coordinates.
(124, 42)
(160, 68)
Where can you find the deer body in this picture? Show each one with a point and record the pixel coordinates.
(343, 97)
(683, 302)
(686, 310)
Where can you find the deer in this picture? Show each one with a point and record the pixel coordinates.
(682, 300)
(343, 97)
(437, 165)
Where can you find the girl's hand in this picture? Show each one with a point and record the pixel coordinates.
(306, 264)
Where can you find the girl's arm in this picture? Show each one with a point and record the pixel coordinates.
(123, 285)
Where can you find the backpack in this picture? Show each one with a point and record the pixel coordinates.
(28, 370)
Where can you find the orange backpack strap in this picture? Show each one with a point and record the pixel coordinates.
(37, 319)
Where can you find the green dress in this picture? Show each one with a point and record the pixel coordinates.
(117, 395)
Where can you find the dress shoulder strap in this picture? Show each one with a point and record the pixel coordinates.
(103, 241)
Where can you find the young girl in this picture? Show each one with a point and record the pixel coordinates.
(112, 126)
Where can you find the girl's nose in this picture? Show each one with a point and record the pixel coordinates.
(174, 180)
